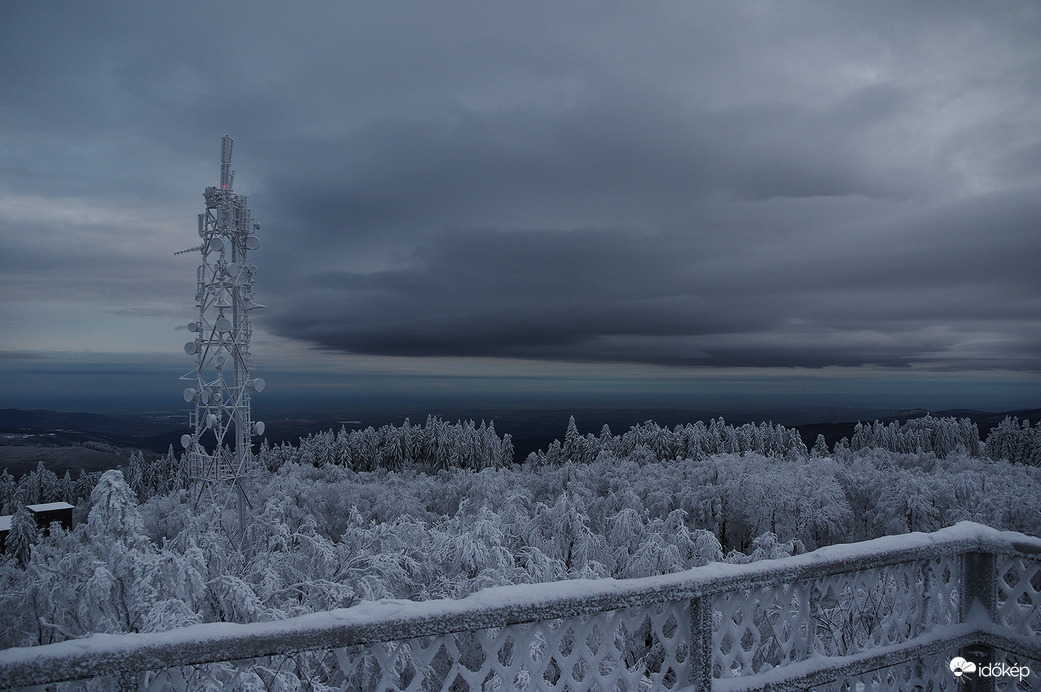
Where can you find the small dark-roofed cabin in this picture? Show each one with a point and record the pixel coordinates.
(5, 528)
(44, 514)
(49, 512)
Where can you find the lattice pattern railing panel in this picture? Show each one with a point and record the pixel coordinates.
(760, 629)
(1031, 683)
(835, 615)
(1019, 594)
(928, 674)
(640, 648)
(318, 670)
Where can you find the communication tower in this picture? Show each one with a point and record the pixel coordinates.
(219, 450)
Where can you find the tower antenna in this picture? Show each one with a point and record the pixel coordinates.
(219, 450)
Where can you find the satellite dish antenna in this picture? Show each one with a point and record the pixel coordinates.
(205, 396)
(191, 348)
(222, 324)
(259, 427)
(233, 269)
(193, 326)
(216, 244)
(252, 242)
(186, 441)
(189, 395)
(259, 384)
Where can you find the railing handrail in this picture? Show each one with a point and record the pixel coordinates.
(392, 620)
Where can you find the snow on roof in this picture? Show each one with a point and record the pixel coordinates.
(5, 522)
(49, 507)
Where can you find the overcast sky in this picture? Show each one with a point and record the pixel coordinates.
(594, 190)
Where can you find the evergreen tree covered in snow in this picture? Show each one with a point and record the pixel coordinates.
(22, 536)
(435, 445)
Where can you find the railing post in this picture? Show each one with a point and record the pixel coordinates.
(979, 586)
(700, 676)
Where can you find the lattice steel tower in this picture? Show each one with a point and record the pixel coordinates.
(219, 449)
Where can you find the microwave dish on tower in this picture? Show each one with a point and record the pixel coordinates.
(219, 450)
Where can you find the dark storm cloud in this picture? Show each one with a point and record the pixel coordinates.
(707, 184)
(617, 156)
(911, 292)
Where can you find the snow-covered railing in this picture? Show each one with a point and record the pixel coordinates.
(890, 613)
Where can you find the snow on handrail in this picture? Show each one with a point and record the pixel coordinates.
(397, 620)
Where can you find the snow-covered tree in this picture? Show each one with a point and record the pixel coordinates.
(8, 489)
(22, 536)
(114, 511)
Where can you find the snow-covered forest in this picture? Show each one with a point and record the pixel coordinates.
(441, 510)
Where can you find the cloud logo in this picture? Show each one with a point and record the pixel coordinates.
(959, 666)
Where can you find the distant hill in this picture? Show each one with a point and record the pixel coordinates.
(105, 427)
(71, 441)
(19, 460)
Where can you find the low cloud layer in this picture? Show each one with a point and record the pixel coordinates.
(887, 297)
(691, 184)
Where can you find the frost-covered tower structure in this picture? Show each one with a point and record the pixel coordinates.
(219, 449)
